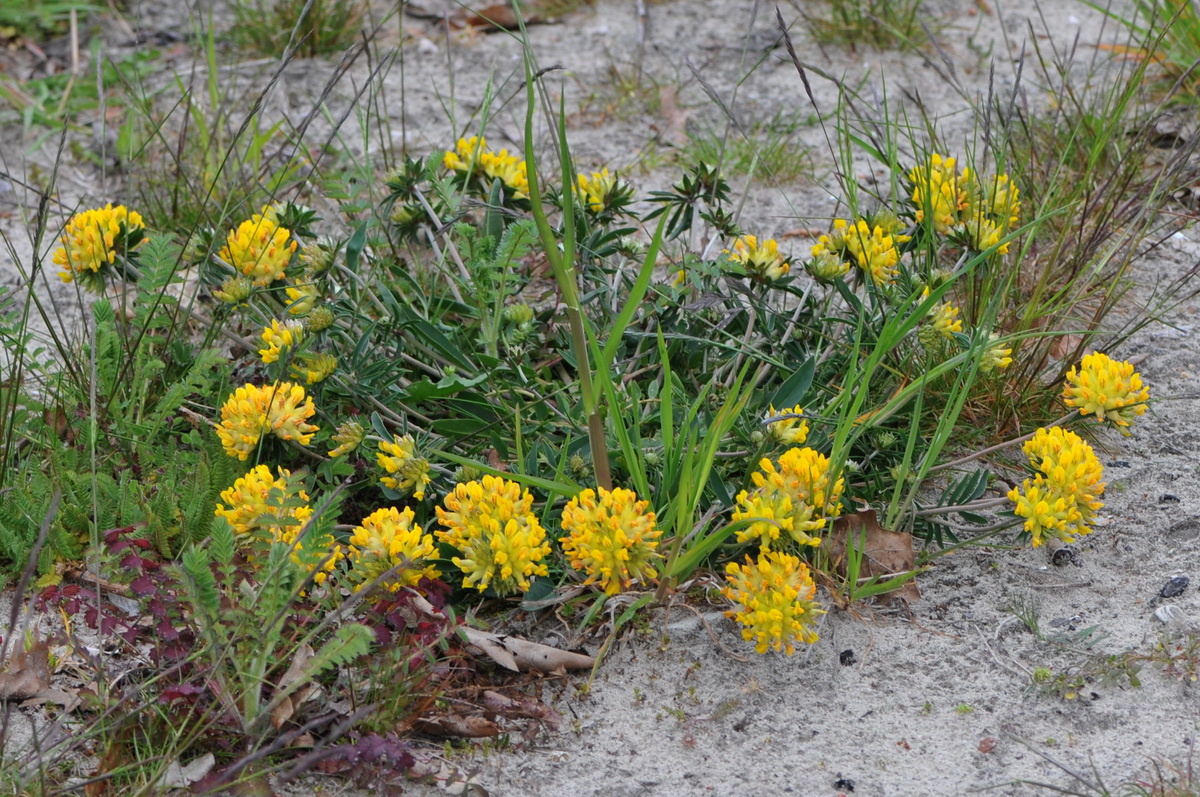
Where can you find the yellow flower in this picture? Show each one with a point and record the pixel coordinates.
(996, 356)
(260, 502)
(314, 368)
(826, 266)
(945, 320)
(1107, 388)
(278, 339)
(348, 437)
(259, 248)
(792, 430)
(1002, 203)
(595, 191)
(872, 249)
(93, 239)
(280, 409)
(982, 234)
(388, 539)
(301, 298)
(612, 538)
(763, 263)
(406, 471)
(797, 497)
(235, 290)
(1065, 494)
(491, 524)
(472, 157)
(776, 601)
(938, 193)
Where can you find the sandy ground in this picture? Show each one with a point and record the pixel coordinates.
(939, 700)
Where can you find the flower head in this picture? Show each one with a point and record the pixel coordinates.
(472, 157)
(872, 248)
(776, 601)
(348, 437)
(791, 430)
(234, 290)
(996, 357)
(280, 409)
(939, 194)
(278, 339)
(611, 536)
(259, 248)
(945, 320)
(501, 541)
(798, 497)
(1064, 495)
(1109, 389)
(827, 267)
(259, 503)
(301, 298)
(762, 262)
(386, 539)
(981, 233)
(314, 367)
(406, 471)
(92, 241)
(602, 191)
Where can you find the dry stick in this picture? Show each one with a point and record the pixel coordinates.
(998, 446)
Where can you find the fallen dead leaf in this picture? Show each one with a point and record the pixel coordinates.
(295, 671)
(987, 745)
(525, 707)
(457, 725)
(675, 117)
(885, 553)
(27, 672)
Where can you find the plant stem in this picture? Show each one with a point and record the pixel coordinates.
(998, 446)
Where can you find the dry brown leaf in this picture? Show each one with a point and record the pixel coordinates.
(493, 18)
(286, 707)
(526, 707)
(457, 725)
(674, 116)
(27, 672)
(885, 553)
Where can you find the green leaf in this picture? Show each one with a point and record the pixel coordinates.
(355, 246)
(795, 387)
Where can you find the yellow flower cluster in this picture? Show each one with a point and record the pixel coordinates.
(278, 339)
(302, 298)
(472, 157)
(314, 368)
(996, 357)
(406, 471)
(280, 409)
(259, 502)
(980, 213)
(93, 239)
(872, 248)
(761, 261)
(939, 193)
(775, 597)
(792, 430)
(945, 320)
(611, 536)
(1063, 497)
(259, 248)
(348, 437)
(597, 191)
(501, 541)
(388, 539)
(273, 509)
(797, 498)
(1107, 388)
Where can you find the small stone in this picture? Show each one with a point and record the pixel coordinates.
(847, 658)
(1174, 588)
(1168, 498)
(843, 784)
(987, 744)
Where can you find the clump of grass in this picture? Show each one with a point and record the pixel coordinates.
(311, 27)
(882, 24)
(766, 146)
